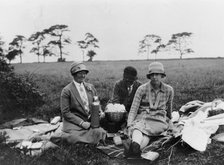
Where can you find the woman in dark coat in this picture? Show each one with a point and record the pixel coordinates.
(76, 101)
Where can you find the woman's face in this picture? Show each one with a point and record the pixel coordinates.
(156, 78)
(80, 76)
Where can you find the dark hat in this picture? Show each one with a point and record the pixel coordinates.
(77, 67)
(156, 67)
(130, 73)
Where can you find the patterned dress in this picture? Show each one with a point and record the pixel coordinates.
(151, 111)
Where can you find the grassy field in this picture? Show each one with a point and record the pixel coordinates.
(192, 79)
(201, 79)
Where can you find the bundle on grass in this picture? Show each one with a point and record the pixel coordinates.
(201, 122)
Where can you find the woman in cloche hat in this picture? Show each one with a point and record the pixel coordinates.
(150, 111)
(76, 101)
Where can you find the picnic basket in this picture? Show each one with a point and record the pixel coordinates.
(115, 112)
(115, 116)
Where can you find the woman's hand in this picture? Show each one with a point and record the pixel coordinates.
(129, 132)
(102, 115)
(86, 125)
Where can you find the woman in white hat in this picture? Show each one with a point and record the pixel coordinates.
(151, 109)
(76, 101)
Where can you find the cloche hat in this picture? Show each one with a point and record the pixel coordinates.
(156, 67)
(77, 67)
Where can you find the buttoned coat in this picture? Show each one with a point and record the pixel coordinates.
(148, 119)
(72, 108)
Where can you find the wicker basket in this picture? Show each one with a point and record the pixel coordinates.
(115, 116)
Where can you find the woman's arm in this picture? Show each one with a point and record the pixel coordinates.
(65, 108)
(170, 103)
(135, 106)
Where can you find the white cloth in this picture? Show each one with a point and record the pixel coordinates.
(83, 95)
(199, 127)
(130, 89)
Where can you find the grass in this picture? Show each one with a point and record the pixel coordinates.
(193, 79)
(200, 79)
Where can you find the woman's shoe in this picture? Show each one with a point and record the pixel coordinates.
(127, 149)
(135, 149)
(131, 149)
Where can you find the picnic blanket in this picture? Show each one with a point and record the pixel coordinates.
(30, 135)
(117, 151)
(195, 124)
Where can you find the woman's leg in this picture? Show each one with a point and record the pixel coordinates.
(145, 141)
(137, 136)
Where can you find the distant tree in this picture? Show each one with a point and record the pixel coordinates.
(1, 53)
(5, 54)
(18, 45)
(180, 42)
(89, 42)
(150, 42)
(57, 31)
(1, 48)
(47, 52)
(159, 48)
(82, 45)
(36, 40)
(11, 55)
(91, 54)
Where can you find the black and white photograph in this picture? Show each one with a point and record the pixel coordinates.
(111, 82)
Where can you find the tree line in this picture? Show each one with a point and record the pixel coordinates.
(52, 42)
(48, 42)
(179, 42)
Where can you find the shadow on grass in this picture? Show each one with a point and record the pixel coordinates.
(86, 154)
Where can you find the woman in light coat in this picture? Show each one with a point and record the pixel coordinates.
(151, 109)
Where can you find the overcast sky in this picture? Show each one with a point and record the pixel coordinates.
(119, 25)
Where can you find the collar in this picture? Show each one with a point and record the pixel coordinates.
(83, 84)
(77, 84)
(161, 88)
(131, 86)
